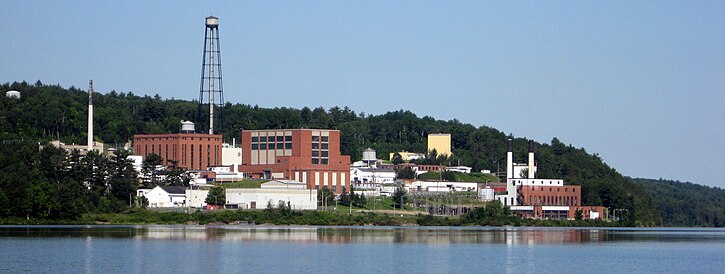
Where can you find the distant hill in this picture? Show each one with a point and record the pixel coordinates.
(684, 203)
(47, 112)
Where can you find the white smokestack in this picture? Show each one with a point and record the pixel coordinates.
(90, 115)
(531, 160)
(509, 160)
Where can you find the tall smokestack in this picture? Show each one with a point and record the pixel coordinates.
(510, 160)
(531, 160)
(90, 115)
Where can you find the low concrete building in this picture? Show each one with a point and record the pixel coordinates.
(261, 198)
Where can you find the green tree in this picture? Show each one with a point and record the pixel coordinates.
(405, 173)
(123, 177)
(399, 198)
(397, 158)
(449, 176)
(325, 197)
(216, 196)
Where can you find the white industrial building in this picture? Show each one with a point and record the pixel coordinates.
(370, 175)
(164, 196)
(442, 186)
(231, 154)
(271, 193)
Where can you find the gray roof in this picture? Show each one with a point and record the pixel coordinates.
(174, 189)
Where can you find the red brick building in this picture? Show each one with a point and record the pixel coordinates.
(550, 195)
(311, 156)
(192, 151)
(555, 202)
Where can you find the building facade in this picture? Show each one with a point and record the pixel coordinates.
(311, 156)
(191, 151)
(441, 142)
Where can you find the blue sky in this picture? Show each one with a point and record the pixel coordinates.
(640, 83)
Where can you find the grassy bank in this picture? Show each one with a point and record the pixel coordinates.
(292, 217)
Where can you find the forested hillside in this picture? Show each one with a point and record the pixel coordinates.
(47, 112)
(686, 204)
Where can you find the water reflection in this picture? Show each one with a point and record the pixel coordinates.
(346, 235)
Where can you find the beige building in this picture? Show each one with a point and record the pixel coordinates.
(441, 142)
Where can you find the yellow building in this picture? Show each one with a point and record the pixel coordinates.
(441, 142)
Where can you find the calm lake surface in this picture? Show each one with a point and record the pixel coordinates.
(254, 249)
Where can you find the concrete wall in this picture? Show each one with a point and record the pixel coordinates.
(196, 197)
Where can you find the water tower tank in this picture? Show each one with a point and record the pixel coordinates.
(187, 127)
(212, 22)
(13, 94)
(369, 155)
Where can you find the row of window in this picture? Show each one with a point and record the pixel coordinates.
(265, 146)
(263, 139)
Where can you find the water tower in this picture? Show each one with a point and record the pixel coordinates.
(369, 156)
(211, 96)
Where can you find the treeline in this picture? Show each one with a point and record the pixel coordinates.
(686, 204)
(49, 183)
(46, 112)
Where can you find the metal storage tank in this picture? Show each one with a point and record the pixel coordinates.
(13, 94)
(187, 127)
(369, 155)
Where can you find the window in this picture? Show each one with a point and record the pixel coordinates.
(280, 138)
(263, 139)
(315, 138)
(324, 161)
(325, 146)
(315, 161)
(255, 146)
(325, 139)
(271, 146)
(315, 145)
(315, 153)
(324, 153)
(262, 146)
(288, 138)
(288, 145)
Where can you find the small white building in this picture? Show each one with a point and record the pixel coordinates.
(164, 196)
(366, 175)
(260, 198)
(196, 197)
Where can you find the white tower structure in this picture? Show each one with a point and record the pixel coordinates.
(510, 160)
(531, 168)
(90, 115)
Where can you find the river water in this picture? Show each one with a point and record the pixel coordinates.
(282, 249)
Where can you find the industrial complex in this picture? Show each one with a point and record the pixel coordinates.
(295, 164)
